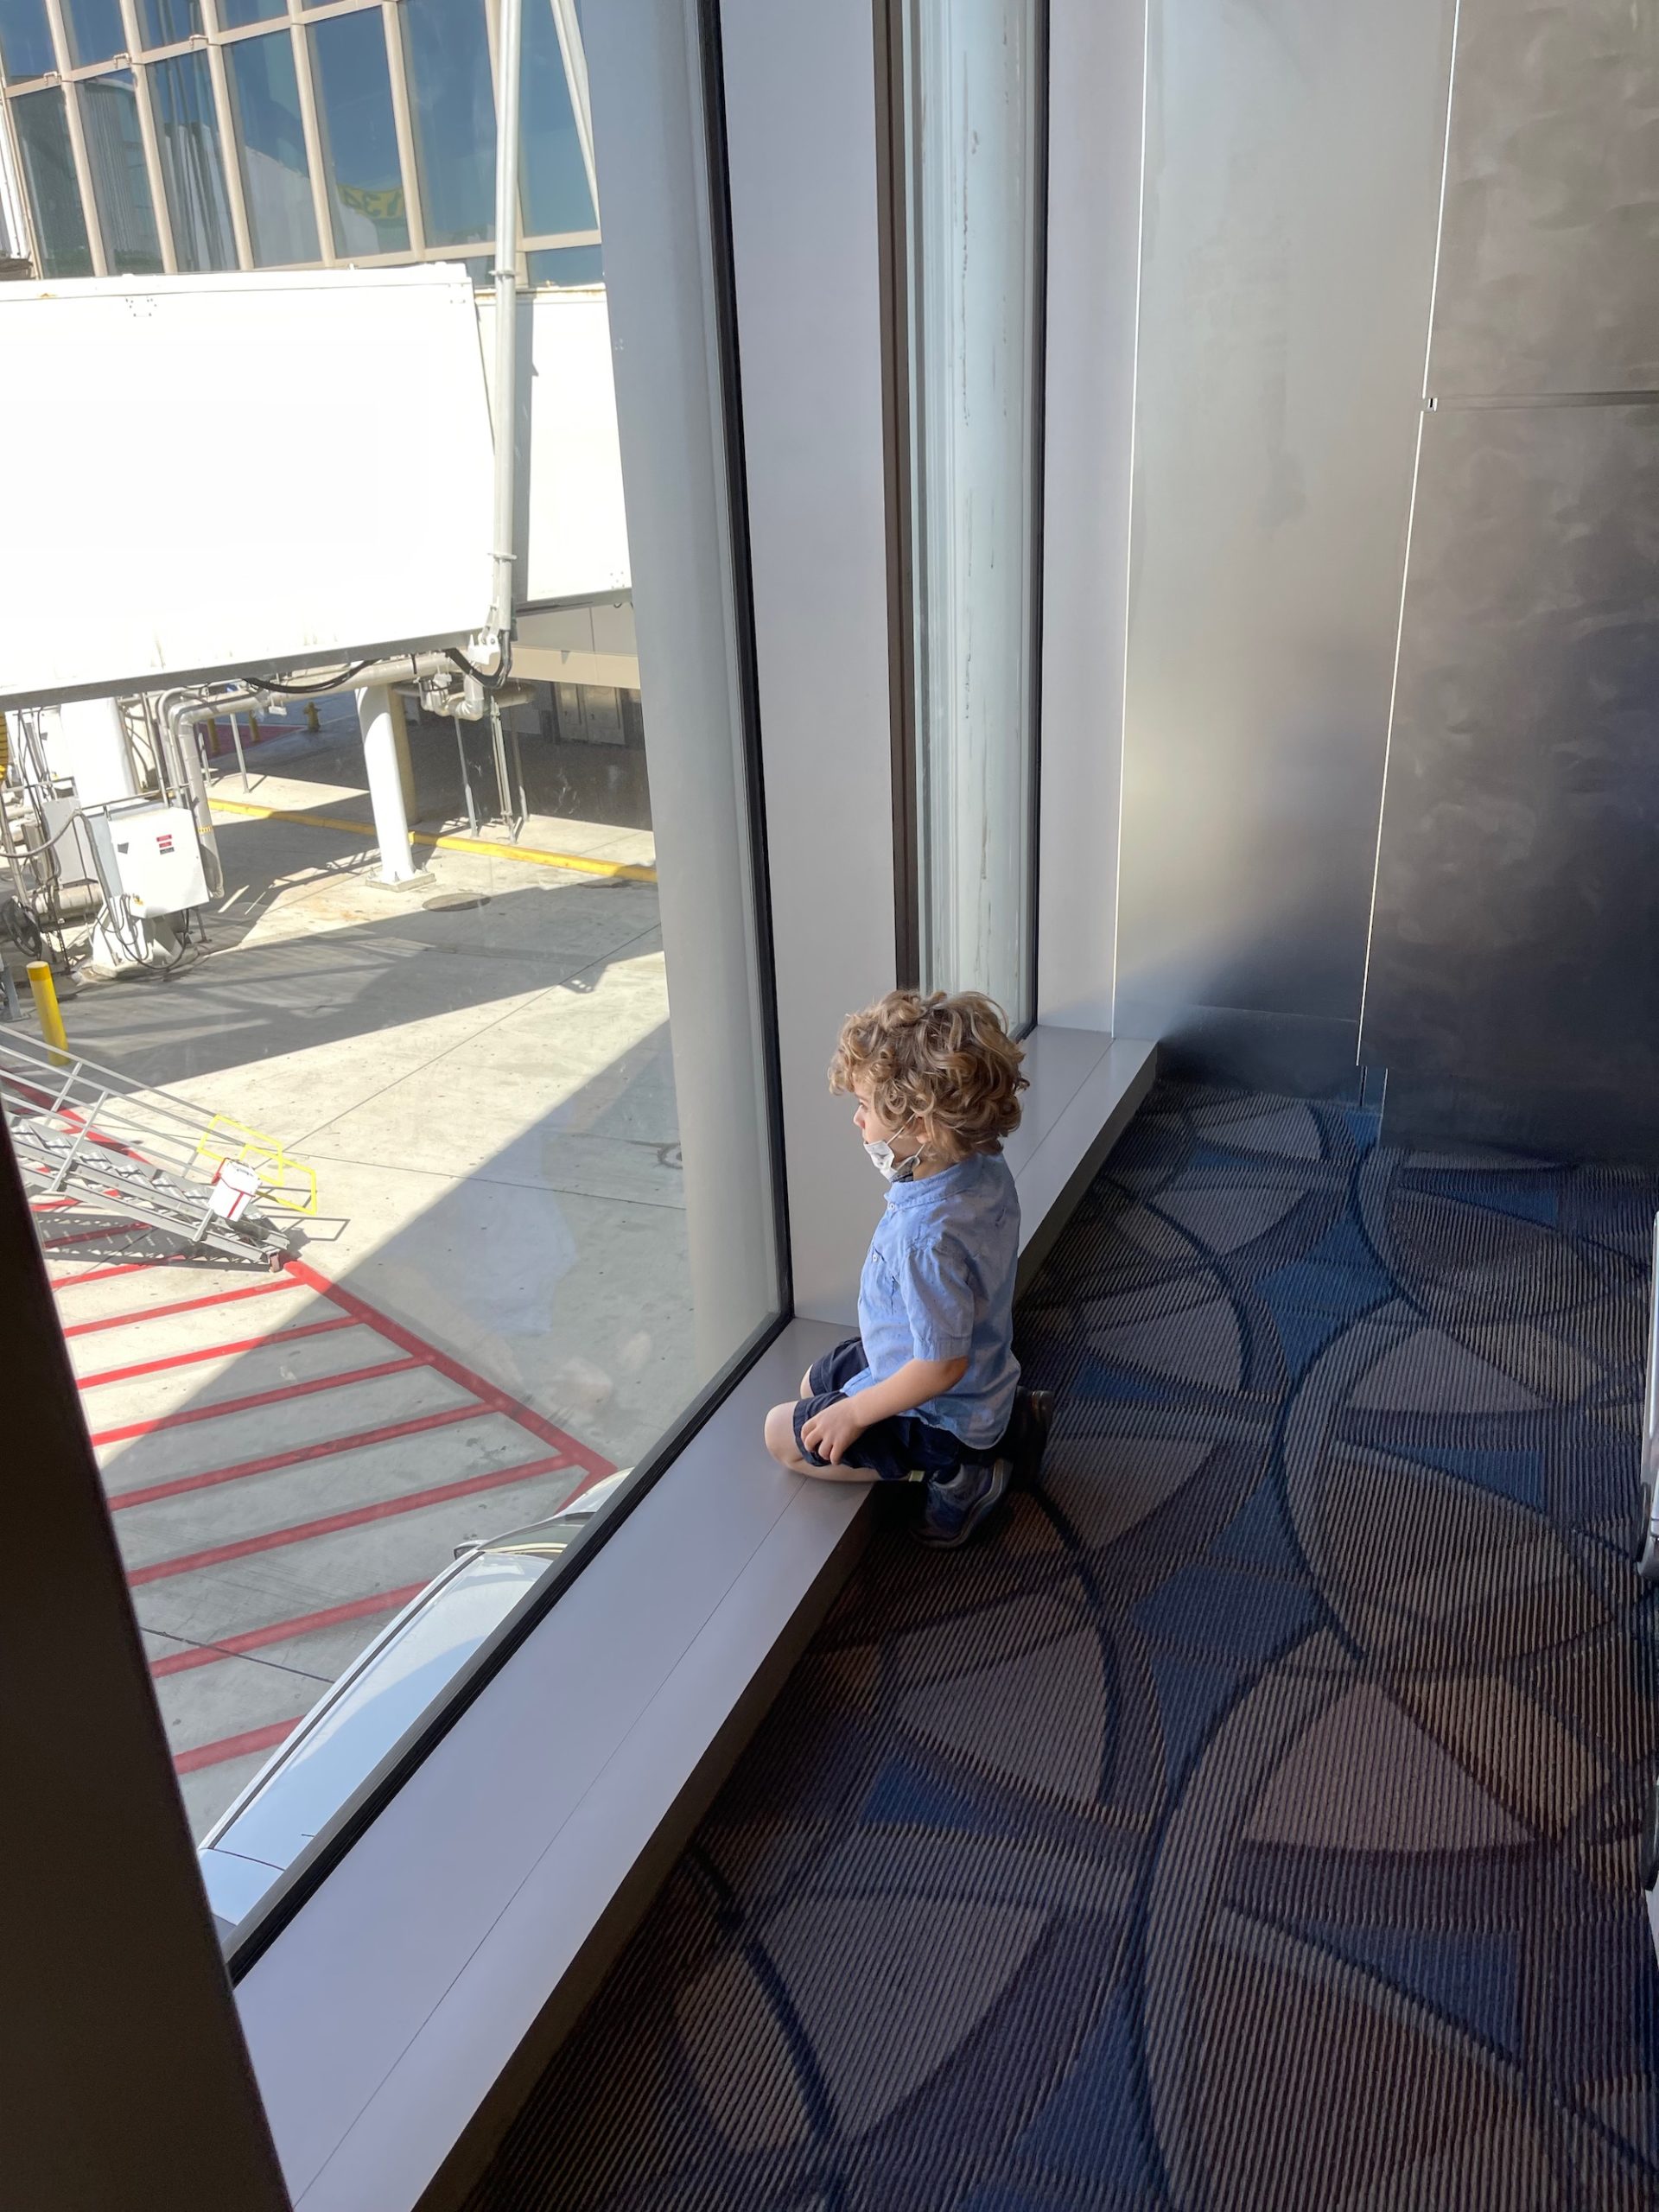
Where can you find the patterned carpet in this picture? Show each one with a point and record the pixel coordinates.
(1252, 1823)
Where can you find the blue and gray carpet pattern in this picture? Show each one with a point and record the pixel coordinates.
(1252, 1821)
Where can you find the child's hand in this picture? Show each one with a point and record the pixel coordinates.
(831, 1433)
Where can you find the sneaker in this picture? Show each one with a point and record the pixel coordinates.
(1027, 1437)
(956, 1506)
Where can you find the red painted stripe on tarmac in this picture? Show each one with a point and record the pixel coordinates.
(101, 1274)
(218, 1351)
(501, 1401)
(279, 1396)
(81, 1235)
(255, 1639)
(297, 1456)
(178, 1305)
(358, 1517)
(235, 1747)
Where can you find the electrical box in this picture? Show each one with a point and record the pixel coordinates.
(153, 852)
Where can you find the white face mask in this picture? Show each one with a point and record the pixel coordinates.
(881, 1159)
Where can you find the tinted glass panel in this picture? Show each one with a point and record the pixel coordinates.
(95, 30)
(165, 23)
(567, 264)
(234, 13)
(973, 242)
(108, 115)
(552, 181)
(25, 42)
(360, 139)
(275, 176)
(49, 172)
(455, 118)
(182, 99)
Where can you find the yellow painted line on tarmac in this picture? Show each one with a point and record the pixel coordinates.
(629, 872)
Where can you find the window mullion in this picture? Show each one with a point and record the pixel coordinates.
(78, 142)
(152, 138)
(403, 121)
(306, 88)
(229, 140)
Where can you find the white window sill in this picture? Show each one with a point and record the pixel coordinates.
(490, 1895)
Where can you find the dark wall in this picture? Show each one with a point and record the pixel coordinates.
(1513, 989)
(1292, 173)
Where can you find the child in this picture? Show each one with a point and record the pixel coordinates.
(928, 1391)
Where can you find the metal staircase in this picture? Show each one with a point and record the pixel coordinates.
(85, 1135)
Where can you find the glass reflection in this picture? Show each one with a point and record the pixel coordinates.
(359, 138)
(49, 171)
(168, 22)
(454, 105)
(25, 42)
(94, 29)
(270, 144)
(552, 178)
(114, 149)
(567, 265)
(193, 166)
(233, 14)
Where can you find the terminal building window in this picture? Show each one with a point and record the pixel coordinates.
(509, 1108)
(968, 166)
(230, 137)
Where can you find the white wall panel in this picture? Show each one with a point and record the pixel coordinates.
(227, 472)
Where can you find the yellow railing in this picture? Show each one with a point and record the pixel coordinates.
(284, 1180)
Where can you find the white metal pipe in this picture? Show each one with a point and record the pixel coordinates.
(504, 395)
(374, 712)
(574, 56)
(182, 718)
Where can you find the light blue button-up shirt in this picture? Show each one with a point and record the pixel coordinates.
(938, 1284)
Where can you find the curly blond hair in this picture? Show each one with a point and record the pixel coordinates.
(946, 1059)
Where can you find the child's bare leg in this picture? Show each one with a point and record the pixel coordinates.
(780, 1442)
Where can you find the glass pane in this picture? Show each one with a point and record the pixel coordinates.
(95, 30)
(182, 98)
(552, 181)
(972, 264)
(54, 194)
(109, 114)
(454, 106)
(168, 22)
(359, 138)
(567, 264)
(271, 142)
(532, 1090)
(233, 14)
(25, 40)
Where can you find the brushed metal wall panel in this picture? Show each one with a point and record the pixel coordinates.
(1518, 910)
(1293, 174)
(1552, 204)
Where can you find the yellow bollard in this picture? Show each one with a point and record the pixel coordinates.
(46, 1005)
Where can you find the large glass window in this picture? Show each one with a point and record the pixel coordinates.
(553, 179)
(115, 149)
(54, 194)
(454, 106)
(168, 22)
(971, 79)
(193, 166)
(234, 14)
(360, 135)
(566, 265)
(25, 39)
(270, 144)
(503, 1104)
(95, 30)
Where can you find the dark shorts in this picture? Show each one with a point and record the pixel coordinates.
(901, 1449)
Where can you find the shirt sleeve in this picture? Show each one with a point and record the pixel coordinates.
(941, 1299)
